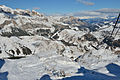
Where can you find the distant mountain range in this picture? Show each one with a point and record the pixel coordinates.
(101, 20)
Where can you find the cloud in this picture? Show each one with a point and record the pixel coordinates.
(97, 13)
(36, 8)
(86, 2)
(108, 10)
(87, 13)
(104, 12)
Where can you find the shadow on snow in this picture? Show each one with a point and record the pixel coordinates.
(3, 75)
(92, 75)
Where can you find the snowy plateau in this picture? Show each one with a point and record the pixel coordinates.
(34, 46)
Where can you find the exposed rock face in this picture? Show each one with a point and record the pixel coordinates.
(5, 23)
(116, 43)
(44, 32)
(117, 52)
(31, 26)
(59, 27)
(36, 13)
(26, 50)
(14, 32)
(90, 37)
(72, 20)
(17, 51)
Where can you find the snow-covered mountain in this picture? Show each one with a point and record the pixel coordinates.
(34, 46)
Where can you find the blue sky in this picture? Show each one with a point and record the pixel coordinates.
(61, 6)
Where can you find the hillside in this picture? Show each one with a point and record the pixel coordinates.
(34, 46)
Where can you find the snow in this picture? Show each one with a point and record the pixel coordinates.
(70, 56)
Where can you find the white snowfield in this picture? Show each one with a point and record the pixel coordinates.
(38, 47)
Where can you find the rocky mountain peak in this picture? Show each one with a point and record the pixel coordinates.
(17, 11)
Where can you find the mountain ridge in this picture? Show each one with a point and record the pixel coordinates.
(35, 47)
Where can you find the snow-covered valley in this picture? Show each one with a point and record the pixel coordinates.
(38, 47)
